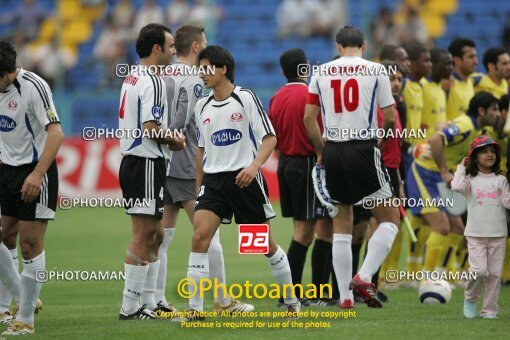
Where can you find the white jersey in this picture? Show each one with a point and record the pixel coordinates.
(183, 91)
(142, 99)
(26, 109)
(231, 130)
(349, 93)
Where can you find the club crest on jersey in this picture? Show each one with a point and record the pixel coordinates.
(197, 89)
(207, 121)
(236, 117)
(13, 105)
(226, 137)
(453, 130)
(157, 112)
(7, 124)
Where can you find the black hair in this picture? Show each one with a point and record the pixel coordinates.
(458, 44)
(289, 61)
(349, 36)
(149, 36)
(7, 58)
(388, 52)
(491, 56)
(185, 36)
(415, 50)
(472, 167)
(219, 57)
(389, 65)
(504, 102)
(481, 99)
(436, 53)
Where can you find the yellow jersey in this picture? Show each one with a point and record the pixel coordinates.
(459, 96)
(483, 82)
(434, 107)
(413, 96)
(457, 137)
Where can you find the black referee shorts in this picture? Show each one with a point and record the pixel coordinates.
(354, 170)
(297, 196)
(142, 180)
(11, 182)
(220, 194)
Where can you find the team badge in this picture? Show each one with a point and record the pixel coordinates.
(157, 112)
(13, 105)
(197, 90)
(236, 117)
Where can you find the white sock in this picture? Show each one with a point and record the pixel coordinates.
(281, 271)
(163, 261)
(149, 287)
(30, 288)
(217, 268)
(9, 273)
(377, 248)
(342, 264)
(135, 278)
(5, 295)
(198, 270)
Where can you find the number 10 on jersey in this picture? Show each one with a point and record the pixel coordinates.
(345, 95)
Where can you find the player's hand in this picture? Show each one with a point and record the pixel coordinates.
(447, 178)
(465, 161)
(177, 143)
(319, 160)
(32, 186)
(246, 176)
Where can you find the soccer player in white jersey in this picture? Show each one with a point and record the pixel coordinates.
(235, 138)
(354, 169)
(30, 138)
(143, 106)
(183, 90)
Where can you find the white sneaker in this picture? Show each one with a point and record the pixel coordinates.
(234, 307)
(293, 310)
(469, 309)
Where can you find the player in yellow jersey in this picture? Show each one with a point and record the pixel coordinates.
(461, 86)
(434, 97)
(434, 162)
(497, 64)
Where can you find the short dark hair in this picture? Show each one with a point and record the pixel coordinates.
(7, 58)
(149, 36)
(349, 36)
(481, 99)
(472, 168)
(415, 50)
(289, 61)
(504, 102)
(388, 52)
(389, 65)
(436, 53)
(458, 44)
(491, 56)
(219, 57)
(185, 36)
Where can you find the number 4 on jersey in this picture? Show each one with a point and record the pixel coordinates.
(349, 93)
(121, 110)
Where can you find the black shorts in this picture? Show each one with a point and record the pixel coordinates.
(297, 196)
(394, 182)
(142, 180)
(220, 194)
(11, 182)
(354, 170)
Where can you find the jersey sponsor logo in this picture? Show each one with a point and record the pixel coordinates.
(226, 137)
(207, 121)
(236, 117)
(197, 89)
(157, 112)
(254, 239)
(13, 105)
(7, 124)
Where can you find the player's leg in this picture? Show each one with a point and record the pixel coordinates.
(453, 242)
(31, 235)
(322, 260)
(9, 269)
(439, 226)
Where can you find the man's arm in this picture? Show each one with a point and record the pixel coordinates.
(32, 184)
(389, 118)
(199, 158)
(436, 143)
(312, 129)
(174, 142)
(246, 176)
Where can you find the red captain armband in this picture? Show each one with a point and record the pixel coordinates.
(313, 99)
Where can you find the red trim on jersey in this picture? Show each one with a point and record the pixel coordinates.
(313, 99)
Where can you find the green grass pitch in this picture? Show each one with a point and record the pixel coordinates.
(96, 239)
